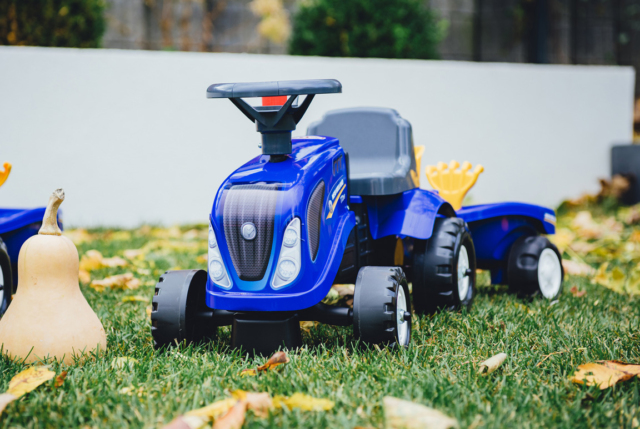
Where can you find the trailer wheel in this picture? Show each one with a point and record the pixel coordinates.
(381, 307)
(535, 267)
(444, 269)
(179, 311)
(6, 279)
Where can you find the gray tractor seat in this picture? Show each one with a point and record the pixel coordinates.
(380, 147)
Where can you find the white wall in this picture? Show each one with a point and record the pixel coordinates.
(132, 138)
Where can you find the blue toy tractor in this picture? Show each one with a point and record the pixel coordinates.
(341, 205)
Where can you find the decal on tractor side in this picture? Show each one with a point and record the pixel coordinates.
(337, 191)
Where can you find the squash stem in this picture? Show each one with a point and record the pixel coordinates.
(50, 220)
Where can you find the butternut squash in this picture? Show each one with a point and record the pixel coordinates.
(49, 316)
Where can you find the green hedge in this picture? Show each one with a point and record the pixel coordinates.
(366, 28)
(64, 23)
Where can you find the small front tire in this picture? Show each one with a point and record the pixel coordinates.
(179, 313)
(535, 267)
(381, 307)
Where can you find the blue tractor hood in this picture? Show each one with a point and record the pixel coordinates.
(310, 185)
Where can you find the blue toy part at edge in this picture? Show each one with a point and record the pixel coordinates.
(495, 227)
(314, 160)
(411, 213)
(16, 227)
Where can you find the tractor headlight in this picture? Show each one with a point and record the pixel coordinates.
(286, 269)
(289, 260)
(217, 270)
(290, 237)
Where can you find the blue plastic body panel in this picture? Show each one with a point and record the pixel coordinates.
(495, 227)
(311, 161)
(409, 214)
(16, 227)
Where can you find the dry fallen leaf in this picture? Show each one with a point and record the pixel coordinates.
(84, 276)
(278, 358)
(259, 403)
(215, 410)
(605, 374)
(135, 298)
(78, 236)
(93, 260)
(491, 364)
(303, 402)
(134, 253)
(234, 418)
(582, 247)
(344, 290)
(121, 281)
(577, 293)
(24, 382)
(60, 379)
(401, 414)
(577, 268)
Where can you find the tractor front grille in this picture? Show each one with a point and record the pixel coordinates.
(256, 204)
(314, 219)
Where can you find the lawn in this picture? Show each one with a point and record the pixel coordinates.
(544, 343)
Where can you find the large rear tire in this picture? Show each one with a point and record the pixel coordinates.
(179, 312)
(444, 269)
(382, 307)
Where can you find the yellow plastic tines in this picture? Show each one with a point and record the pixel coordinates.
(451, 183)
(4, 174)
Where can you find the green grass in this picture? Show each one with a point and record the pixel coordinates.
(439, 369)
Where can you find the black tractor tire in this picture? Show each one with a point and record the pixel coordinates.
(534, 267)
(378, 316)
(179, 312)
(436, 268)
(6, 282)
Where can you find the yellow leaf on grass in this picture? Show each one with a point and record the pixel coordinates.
(93, 260)
(303, 402)
(24, 382)
(135, 298)
(121, 362)
(401, 414)
(121, 281)
(491, 364)
(278, 358)
(29, 379)
(594, 374)
(614, 279)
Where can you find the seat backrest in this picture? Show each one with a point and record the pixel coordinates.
(380, 147)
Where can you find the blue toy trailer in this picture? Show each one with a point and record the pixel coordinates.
(341, 205)
(16, 226)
